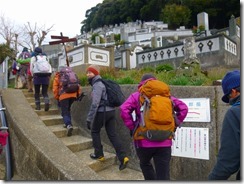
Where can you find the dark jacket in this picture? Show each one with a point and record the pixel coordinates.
(228, 159)
(98, 94)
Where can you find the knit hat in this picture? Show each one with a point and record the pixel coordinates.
(94, 69)
(38, 50)
(230, 81)
(25, 49)
(147, 76)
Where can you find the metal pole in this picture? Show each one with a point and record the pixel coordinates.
(7, 147)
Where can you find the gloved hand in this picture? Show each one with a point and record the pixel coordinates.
(88, 124)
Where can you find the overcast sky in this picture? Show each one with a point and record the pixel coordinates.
(64, 15)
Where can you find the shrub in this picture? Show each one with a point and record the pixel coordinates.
(147, 69)
(126, 80)
(164, 68)
(181, 80)
(196, 81)
(83, 81)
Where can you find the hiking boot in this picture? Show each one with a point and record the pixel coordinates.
(46, 107)
(38, 107)
(124, 163)
(69, 130)
(95, 157)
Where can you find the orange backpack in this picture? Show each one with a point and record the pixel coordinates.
(157, 121)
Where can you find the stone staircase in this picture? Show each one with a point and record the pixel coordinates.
(81, 145)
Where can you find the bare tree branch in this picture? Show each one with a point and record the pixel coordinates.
(25, 36)
(42, 32)
(8, 32)
(36, 35)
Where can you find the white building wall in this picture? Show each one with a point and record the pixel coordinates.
(98, 56)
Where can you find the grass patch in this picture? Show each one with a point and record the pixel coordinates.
(163, 73)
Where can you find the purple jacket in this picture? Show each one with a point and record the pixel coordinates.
(133, 104)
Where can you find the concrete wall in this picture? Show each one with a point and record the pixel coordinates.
(35, 154)
(35, 149)
(181, 168)
(212, 51)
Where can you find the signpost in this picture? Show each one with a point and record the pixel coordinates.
(63, 39)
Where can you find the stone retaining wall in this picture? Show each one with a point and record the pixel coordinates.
(181, 168)
(33, 161)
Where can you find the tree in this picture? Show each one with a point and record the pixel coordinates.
(9, 32)
(176, 15)
(151, 10)
(24, 36)
(34, 36)
(5, 51)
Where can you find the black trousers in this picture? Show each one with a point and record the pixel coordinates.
(161, 157)
(44, 91)
(108, 120)
(65, 105)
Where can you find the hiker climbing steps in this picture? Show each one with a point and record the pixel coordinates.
(81, 146)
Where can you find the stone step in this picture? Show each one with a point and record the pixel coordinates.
(30, 99)
(113, 173)
(60, 131)
(77, 143)
(50, 120)
(49, 112)
(33, 105)
(84, 155)
(82, 146)
(28, 94)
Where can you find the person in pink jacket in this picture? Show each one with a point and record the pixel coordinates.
(159, 151)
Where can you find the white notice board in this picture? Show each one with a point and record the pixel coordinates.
(191, 142)
(198, 109)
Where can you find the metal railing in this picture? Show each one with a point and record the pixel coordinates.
(3, 129)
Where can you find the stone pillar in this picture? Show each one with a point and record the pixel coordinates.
(202, 20)
(190, 48)
(124, 34)
(86, 55)
(128, 67)
(191, 61)
(154, 42)
(97, 40)
(111, 56)
(232, 26)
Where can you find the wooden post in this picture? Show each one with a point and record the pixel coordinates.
(63, 39)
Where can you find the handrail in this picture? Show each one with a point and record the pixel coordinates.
(7, 147)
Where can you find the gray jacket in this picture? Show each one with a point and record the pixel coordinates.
(98, 94)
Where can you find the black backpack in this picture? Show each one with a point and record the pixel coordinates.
(114, 93)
